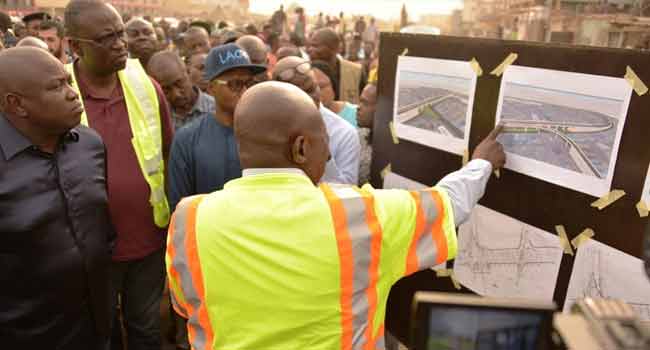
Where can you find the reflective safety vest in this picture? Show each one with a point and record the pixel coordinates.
(144, 117)
(273, 262)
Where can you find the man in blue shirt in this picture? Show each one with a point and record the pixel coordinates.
(204, 154)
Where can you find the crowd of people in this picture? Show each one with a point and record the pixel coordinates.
(109, 125)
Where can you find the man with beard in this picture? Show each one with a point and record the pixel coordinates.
(129, 110)
(53, 34)
(141, 39)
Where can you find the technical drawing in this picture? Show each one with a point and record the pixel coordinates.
(499, 256)
(600, 271)
(563, 127)
(433, 102)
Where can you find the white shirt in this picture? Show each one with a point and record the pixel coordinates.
(345, 149)
(465, 187)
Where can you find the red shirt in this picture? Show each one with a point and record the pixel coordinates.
(128, 192)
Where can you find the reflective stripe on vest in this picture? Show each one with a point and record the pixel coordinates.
(358, 237)
(144, 118)
(429, 244)
(186, 269)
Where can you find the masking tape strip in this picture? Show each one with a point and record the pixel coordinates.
(386, 170)
(502, 67)
(405, 52)
(465, 157)
(564, 239)
(637, 84)
(586, 235)
(476, 67)
(642, 208)
(604, 201)
(454, 280)
(497, 173)
(393, 134)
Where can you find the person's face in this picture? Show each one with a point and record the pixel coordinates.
(317, 49)
(195, 68)
(197, 42)
(51, 38)
(177, 87)
(228, 88)
(325, 86)
(52, 105)
(161, 38)
(103, 44)
(367, 107)
(141, 39)
(32, 27)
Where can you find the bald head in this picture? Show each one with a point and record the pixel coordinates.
(138, 22)
(327, 36)
(16, 80)
(255, 48)
(33, 42)
(38, 101)
(288, 51)
(163, 61)
(292, 134)
(75, 12)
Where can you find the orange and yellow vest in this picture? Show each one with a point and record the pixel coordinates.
(272, 262)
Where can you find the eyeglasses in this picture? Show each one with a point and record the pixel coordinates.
(236, 85)
(288, 74)
(106, 41)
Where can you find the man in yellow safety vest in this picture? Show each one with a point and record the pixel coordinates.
(274, 262)
(129, 111)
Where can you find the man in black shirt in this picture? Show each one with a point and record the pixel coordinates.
(55, 232)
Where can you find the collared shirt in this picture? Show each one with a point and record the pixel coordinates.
(465, 187)
(344, 148)
(55, 235)
(128, 195)
(203, 158)
(204, 104)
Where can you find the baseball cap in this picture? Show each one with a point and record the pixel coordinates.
(227, 57)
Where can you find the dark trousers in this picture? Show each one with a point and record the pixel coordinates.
(139, 284)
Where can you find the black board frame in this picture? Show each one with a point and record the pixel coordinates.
(538, 203)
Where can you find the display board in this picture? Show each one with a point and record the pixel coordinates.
(541, 200)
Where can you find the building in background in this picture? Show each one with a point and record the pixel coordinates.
(613, 23)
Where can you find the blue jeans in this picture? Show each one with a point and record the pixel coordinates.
(140, 284)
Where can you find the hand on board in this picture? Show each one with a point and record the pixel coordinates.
(491, 150)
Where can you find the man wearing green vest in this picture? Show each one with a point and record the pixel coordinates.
(274, 262)
(129, 111)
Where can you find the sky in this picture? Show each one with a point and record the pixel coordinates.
(385, 9)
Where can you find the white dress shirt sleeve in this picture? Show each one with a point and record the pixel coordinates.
(466, 187)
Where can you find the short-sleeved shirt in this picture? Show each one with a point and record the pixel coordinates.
(204, 104)
(128, 192)
(203, 158)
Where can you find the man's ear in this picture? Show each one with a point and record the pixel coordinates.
(299, 150)
(75, 47)
(13, 104)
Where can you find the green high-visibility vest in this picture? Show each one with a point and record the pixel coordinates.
(144, 116)
(272, 262)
